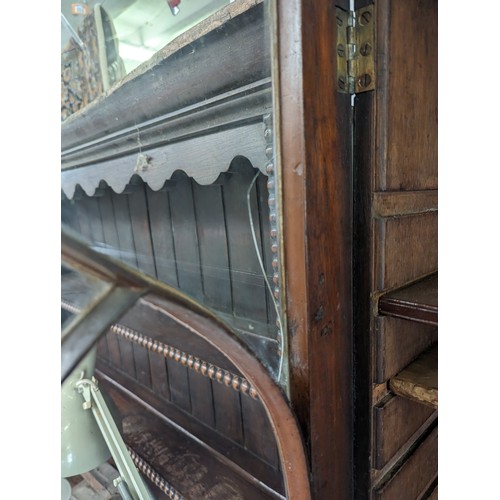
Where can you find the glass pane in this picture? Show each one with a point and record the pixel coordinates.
(101, 42)
(175, 174)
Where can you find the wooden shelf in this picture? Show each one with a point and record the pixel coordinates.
(419, 380)
(176, 461)
(416, 302)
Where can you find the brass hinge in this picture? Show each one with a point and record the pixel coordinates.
(355, 50)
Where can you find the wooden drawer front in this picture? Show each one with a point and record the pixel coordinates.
(406, 249)
(395, 422)
(415, 475)
(398, 342)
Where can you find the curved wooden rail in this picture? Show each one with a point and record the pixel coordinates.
(203, 323)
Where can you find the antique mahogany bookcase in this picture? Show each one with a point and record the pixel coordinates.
(276, 162)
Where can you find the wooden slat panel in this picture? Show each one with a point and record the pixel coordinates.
(142, 368)
(127, 357)
(161, 235)
(124, 228)
(227, 408)
(95, 222)
(399, 238)
(139, 219)
(108, 224)
(83, 218)
(159, 375)
(202, 404)
(249, 296)
(178, 381)
(395, 421)
(415, 475)
(257, 431)
(397, 343)
(212, 237)
(266, 252)
(185, 236)
(411, 96)
(114, 355)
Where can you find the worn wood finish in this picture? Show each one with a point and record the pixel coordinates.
(248, 287)
(212, 238)
(416, 302)
(217, 405)
(316, 177)
(398, 203)
(395, 421)
(419, 380)
(191, 468)
(178, 78)
(398, 240)
(212, 438)
(395, 214)
(415, 475)
(162, 236)
(397, 342)
(410, 96)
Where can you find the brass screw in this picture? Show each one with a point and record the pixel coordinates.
(365, 49)
(365, 17)
(341, 50)
(364, 80)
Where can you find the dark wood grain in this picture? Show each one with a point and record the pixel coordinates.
(139, 221)
(194, 470)
(415, 475)
(395, 213)
(185, 236)
(159, 375)
(212, 237)
(411, 98)
(397, 342)
(248, 287)
(397, 203)
(218, 442)
(398, 238)
(257, 433)
(124, 228)
(227, 407)
(395, 421)
(162, 237)
(417, 302)
(317, 228)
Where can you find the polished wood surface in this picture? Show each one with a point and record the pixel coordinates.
(416, 302)
(315, 143)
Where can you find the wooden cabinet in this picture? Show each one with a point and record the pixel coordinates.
(243, 138)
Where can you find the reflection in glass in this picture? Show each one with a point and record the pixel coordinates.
(184, 184)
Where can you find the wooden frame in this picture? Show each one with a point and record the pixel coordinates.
(317, 182)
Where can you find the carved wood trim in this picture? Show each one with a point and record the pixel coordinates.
(153, 476)
(194, 363)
